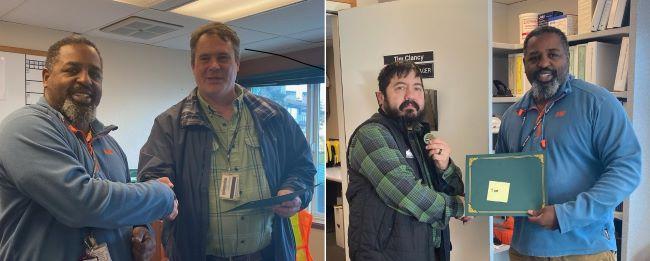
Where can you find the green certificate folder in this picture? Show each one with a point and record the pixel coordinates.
(504, 184)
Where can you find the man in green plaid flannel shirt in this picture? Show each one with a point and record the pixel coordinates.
(402, 192)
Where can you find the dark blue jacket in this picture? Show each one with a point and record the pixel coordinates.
(180, 147)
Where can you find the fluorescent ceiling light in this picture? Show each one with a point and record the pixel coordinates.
(228, 10)
(162, 5)
(141, 3)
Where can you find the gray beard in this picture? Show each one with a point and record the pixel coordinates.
(79, 116)
(543, 92)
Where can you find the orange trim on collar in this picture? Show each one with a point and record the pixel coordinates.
(87, 137)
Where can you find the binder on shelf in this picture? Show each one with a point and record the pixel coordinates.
(601, 63)
(566, 23)
(582, 52)
(605, 18)
(573, 60)
(620, 82)
(586, 10)
(598, 13)
(617, 13)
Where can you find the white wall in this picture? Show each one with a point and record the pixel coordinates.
(140, 81)
(459, 34)
(636, 240)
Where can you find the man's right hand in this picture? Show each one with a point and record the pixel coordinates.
(166, 181)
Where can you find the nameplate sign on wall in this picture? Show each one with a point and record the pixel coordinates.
(424, 61)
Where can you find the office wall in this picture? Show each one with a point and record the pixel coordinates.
(139, 81)
(332, 131)
(636, 242)
(458, 32)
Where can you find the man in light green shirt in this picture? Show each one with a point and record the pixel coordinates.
(236, 153)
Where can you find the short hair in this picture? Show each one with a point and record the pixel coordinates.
(544, 30)
(215, 28)
(53, 51)
(400, 69)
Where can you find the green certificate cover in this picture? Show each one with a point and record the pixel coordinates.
(506, 184)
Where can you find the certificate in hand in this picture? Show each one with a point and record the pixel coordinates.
(504, 184)
(269, 202)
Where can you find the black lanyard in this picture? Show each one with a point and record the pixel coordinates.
(231, 145)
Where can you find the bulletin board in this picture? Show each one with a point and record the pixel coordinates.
(21, 80)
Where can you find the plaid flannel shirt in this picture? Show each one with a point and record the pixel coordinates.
(375, 154)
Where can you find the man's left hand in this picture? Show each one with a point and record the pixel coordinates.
(544, 217)
(142, 245)
(439, 151)
(287, 208)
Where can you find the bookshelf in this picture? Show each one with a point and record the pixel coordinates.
(610, 35)
(505, 41)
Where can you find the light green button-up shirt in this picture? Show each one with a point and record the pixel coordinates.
(240, 232)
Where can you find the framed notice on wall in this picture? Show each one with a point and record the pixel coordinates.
(34, 65)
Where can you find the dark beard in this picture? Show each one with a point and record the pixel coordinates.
(79, 116)
(409, 117)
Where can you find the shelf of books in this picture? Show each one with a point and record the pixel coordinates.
(599, 33)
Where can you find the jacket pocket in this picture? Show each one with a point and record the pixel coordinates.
(386, 227)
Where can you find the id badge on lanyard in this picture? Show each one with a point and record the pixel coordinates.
(94, 251)
(229, 189)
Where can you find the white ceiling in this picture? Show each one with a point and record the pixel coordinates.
(291, 28)
(507, 2)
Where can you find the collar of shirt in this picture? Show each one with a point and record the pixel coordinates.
(237, 103)
(86, 137)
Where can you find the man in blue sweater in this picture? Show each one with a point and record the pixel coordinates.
(593, 156)
(63, 191)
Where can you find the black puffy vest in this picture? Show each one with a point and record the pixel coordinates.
(378, 232)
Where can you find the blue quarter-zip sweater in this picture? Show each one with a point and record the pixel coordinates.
(49, 199)
(593, 164)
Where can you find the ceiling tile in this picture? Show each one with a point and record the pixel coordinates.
(8, 5)
(250, 36)
(69, 15)
(300, 17)
(507, 2)
(249, 55)
(315, 35)
(188, 25)
(281, 45)
(181, 43)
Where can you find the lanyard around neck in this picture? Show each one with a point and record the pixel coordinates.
(538, 123)
(231, 144)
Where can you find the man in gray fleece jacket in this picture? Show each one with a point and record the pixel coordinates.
(64, 187)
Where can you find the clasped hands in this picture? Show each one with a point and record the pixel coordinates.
(143, 245)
